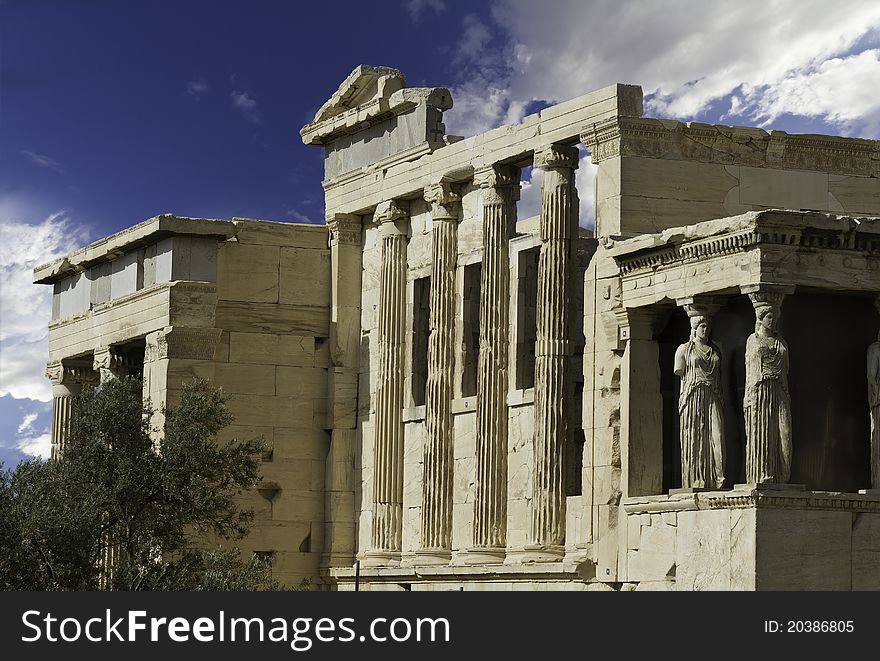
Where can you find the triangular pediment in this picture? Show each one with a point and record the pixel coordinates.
(363, 85)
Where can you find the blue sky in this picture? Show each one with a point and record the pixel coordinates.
(113, 112)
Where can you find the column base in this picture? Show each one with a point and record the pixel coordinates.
(770, 486)
(331, 560)
(484, 555)
(543, 553)
(381, 559)
(685, 490)
(432, 557)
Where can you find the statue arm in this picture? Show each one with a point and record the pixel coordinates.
(680, 363)
(753, 368)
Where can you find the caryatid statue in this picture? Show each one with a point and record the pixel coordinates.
(767, 403)
(698, 363)
(874, 404)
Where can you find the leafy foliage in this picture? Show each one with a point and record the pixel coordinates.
(155, 509)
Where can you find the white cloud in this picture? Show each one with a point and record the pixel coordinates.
(25, 308)
(297, 216)
(481, 95)
(43, 161)
(27, 423)
(196, 87)
(836, 91)
(585, 182)
(247, 106)
(37, 445)
(416, 8)
(687, 55)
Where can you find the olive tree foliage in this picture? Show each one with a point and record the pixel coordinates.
(121, 510)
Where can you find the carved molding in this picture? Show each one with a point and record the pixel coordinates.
(767, 295)
(444, 201)
(708, 143)
(700, 305)
(551, 157)
(391, 211)
(499, 183)
(60, 374)
(740, 241)
(182, 342)
(345, 229)
(755, 498)
(107, 358)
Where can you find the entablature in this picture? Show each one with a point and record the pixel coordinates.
(816, 250)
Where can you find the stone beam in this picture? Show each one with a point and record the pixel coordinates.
(360, 191)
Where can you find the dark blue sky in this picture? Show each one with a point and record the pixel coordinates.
(131, 103)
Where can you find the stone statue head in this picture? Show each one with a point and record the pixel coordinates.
(701, 327)
(765, 318)
(767, 305)
(700, 317)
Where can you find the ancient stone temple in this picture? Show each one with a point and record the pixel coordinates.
(460, 397)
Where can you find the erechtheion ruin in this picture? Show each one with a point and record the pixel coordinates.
(457, 397)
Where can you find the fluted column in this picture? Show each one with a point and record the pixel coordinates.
(67, 382)
(388, 442)
(500, 188)
(436, 524)
(553, 349)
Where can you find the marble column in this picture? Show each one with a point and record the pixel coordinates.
(387, 528)
(436, 523)
(67, 383)
(346, 257)
(500, 189)
(553, 378)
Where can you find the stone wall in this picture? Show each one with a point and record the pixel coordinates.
(752, 539)
(272, 357)
(655, 173)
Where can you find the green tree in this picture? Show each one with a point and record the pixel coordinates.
(158, 510)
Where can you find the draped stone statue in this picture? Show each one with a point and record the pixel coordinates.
(767, 404)
(874, 406)
(698, 363)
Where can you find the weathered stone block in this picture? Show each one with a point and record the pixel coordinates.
(271, 349)
(248, 273)
(702, 550)
(803, 550)
(305, 277)
(866, 551)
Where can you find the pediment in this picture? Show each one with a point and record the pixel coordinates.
(363, 85)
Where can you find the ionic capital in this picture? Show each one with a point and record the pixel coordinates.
(500, 183)
(345, 229)
(443, 200)
(107, 358)
(60, 374)
(556, 157)
(388, 214)
(390, 211)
